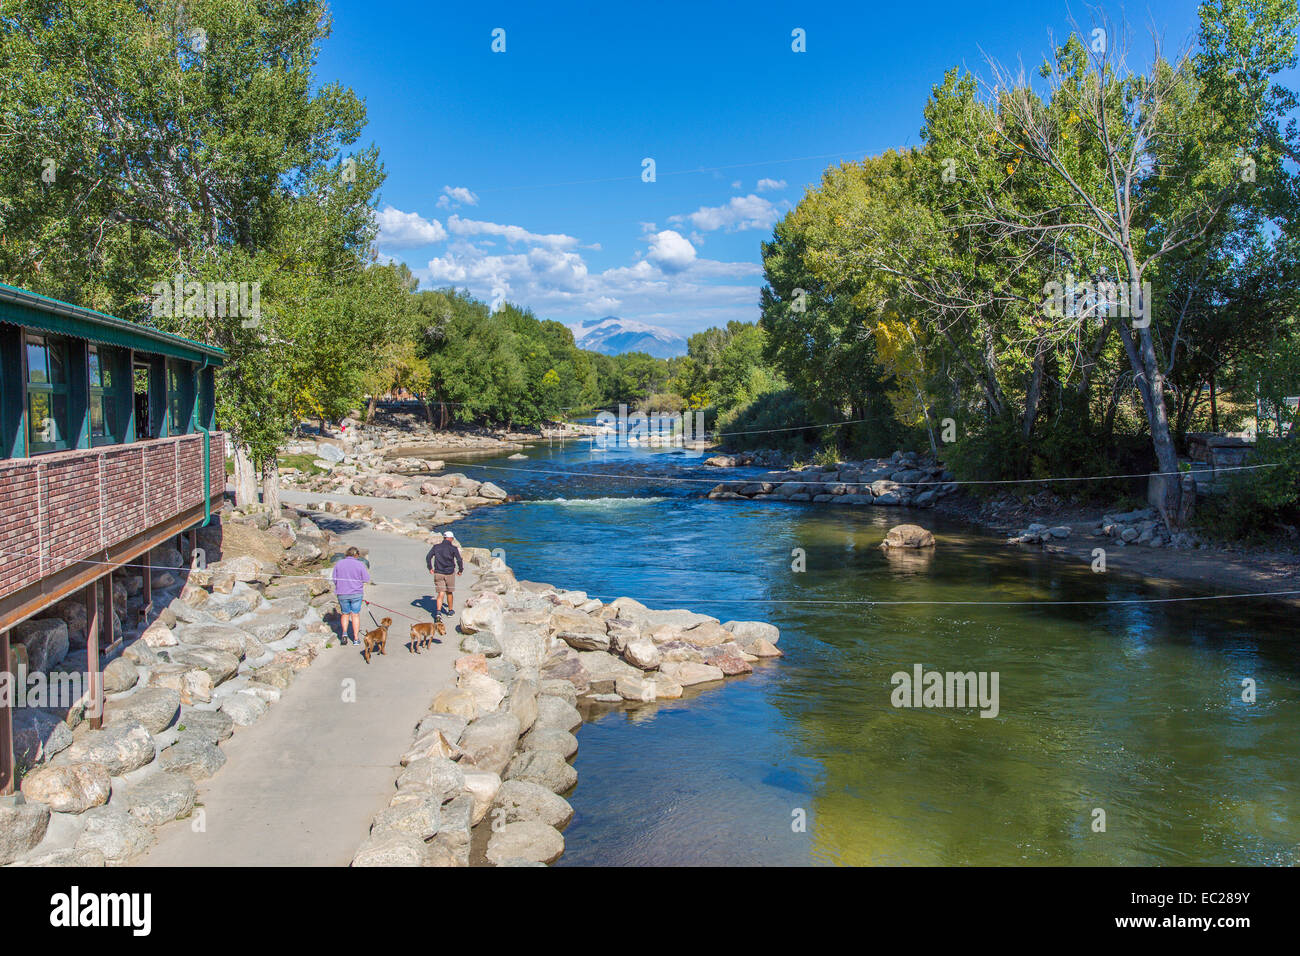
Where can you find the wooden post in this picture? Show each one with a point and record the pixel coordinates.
(194, 542)
(6, 720)
(146, 593)
(96, 689)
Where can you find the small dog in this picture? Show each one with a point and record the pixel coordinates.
(376, 639)
(422, 634)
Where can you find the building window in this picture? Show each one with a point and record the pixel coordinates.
(107, 386)
(179, 402)
(47, 392)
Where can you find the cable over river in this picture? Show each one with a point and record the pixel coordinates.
(1120, 736)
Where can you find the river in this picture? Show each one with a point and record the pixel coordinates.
(1135, 710)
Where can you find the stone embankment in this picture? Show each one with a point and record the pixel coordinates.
(903, 480)
(488, 767)
(224, 643)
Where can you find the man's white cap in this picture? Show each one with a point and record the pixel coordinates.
(448, 534)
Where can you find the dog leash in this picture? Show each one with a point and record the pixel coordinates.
(391, 611)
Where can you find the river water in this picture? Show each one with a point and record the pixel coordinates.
(1131, 710)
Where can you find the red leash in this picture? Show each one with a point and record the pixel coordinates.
(391, 611)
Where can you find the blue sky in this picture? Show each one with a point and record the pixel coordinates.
(518, 174)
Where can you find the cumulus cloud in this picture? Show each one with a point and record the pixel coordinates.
(767, 185)
(670, 251)
(456, 196)
(739, 212)
(398, 229)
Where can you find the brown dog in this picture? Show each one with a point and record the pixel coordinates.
(422, 634)
(376, 639)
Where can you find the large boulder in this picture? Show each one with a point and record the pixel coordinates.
(520, 801)
(906, 536)
(747, 632)
(390, 848)
(489, 741)
(523, 702)
(155, 707)
(121, 748)
(115, 833)
(221, 637)
(529, 840)
(437, 775)
(161, 797)
(482, 787)
(484, 616)
(487, 693)
(550, 738)
(417, 818)
(120, 675)
(688, 673)
(555, 713)
(219, 665)
(544, 768)
(243, 709)
(22, 827)
(192, 754)
(580, 631)
(68, 788)
(38, 735)
(212, 725)
(46, 641)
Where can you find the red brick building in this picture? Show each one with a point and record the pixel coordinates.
(107, 450)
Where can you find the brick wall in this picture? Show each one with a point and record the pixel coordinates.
(58, 508)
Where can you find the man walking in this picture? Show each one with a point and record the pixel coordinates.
(350, 578)
(444, 564)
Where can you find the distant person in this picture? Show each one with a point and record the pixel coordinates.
(444, 564)
(350, 579)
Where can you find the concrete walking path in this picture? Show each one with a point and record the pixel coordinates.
(300, 786)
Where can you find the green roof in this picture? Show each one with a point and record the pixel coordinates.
(20, 307)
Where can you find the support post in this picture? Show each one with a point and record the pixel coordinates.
(7, 719)
(95, 707)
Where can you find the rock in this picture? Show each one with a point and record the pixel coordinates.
(451, 726)
(266, 626)
(161, 797)
(68, 788)
(119, 749)
(491, 491)
(553, 713)
(46, 641)
(489, 741)
(638, 689)
(522, 801)
(391, 849)
(908, 536)
(524, 648)
(433, 744)
(707, 634)
(120, 675)
(22, 827)
(603, 669)
(764, 648)
(529, 840)
(567, 667)
(219, 637)
(194, 755)
(748, 632)
(579, 631)
(482, 787)
(642, 653)
(455, 701)
(243, 709)
(212, 725)
(487, 693)
(550, 738)
(559, 688)
(38, 735)
(437, 775)
(158, 635)
(544, 768)
(190, 682)
(115, 833)
(523, 702)
(481, 642)
(689, 673)
(417, 818)
(155, 707)
(483, 617)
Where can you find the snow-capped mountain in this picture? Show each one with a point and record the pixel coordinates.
(611, 335)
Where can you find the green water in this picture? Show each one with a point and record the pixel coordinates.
(1132, 709)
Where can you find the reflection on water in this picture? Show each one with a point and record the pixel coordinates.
(1132, 709)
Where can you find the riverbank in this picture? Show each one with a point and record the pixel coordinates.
(484, 778)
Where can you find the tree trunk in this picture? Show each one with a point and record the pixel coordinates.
(245, 478)
(370, 410)
(1032, 393)
(1214, 406)
(271, 486)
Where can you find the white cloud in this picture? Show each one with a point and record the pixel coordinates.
(398, 229)
(456, 196)
(512, 234)
(739, 212)
(671, 251)
(764, 185)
